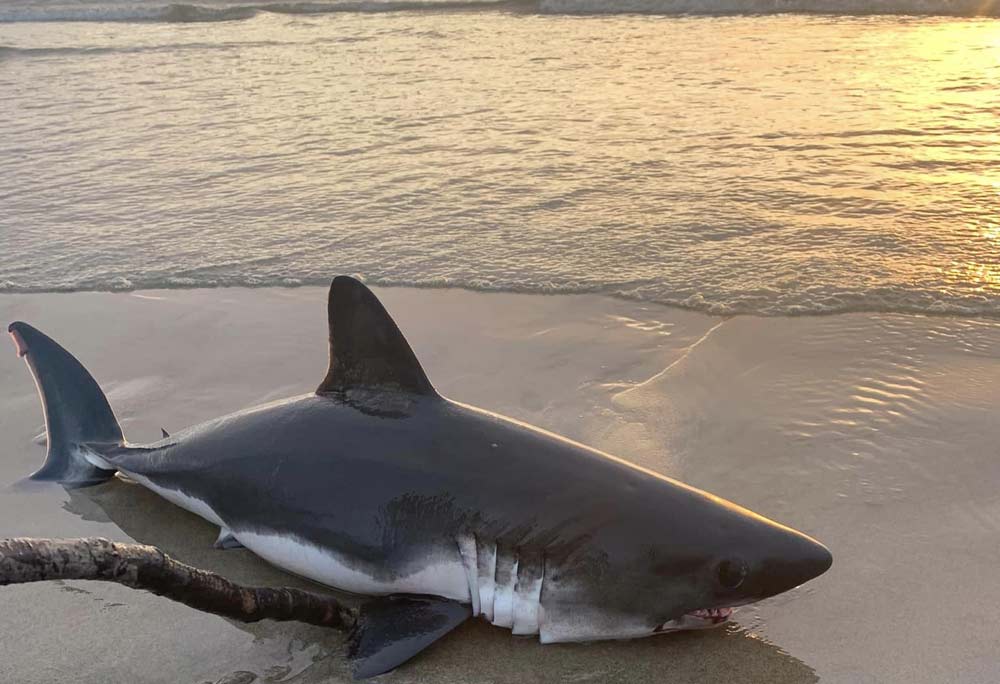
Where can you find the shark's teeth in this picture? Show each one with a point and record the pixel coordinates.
(712, 613)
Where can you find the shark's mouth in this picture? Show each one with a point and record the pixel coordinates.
(704, 618)
(714, 615)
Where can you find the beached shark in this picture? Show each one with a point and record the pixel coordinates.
(376, 484)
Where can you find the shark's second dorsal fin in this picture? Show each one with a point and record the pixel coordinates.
(367, 351)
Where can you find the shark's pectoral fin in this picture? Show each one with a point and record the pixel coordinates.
(226, 540)
(393, 629)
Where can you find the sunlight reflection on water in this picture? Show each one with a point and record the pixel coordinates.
(741, 164)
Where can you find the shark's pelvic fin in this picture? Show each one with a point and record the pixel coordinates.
(78, 419)
(367, 351)
(226, 540)
(393, 629)
(164, 433)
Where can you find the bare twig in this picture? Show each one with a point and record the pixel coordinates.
(146, 567)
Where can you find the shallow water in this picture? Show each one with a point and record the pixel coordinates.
(772, 164)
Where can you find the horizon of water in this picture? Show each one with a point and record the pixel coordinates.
(772, 165)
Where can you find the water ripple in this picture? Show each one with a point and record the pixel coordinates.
(770, 165)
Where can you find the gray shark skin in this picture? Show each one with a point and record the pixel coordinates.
(377, 485)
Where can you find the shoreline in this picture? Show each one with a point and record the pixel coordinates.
(875, 433)
(526, 291)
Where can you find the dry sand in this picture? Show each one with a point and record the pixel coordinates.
(878, 434)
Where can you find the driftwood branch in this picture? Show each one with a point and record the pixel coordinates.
(146, 567)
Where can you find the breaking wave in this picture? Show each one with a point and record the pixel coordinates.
(181, 13)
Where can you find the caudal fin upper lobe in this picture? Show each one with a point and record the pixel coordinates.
(78, 419)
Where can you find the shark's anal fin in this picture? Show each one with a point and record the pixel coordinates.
(392, 629)
(165, 433)
(226, 540)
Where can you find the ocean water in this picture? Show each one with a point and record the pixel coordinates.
(714, 154)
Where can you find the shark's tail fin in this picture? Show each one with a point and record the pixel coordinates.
(78, 418)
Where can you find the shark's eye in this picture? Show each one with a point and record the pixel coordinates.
(732, 573)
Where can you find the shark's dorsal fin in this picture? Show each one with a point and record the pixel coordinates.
(367, 351)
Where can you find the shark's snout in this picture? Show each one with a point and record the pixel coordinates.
(818, 560)
(797, 560)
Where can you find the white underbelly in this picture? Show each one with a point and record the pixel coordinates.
(470, 575)
(499, 585)
(443, 575)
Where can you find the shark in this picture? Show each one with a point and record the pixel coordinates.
(435, 511)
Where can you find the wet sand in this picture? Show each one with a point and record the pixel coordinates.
(878, 434)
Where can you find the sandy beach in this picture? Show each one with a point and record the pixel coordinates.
(875, 433)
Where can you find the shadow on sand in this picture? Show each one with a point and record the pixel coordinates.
(477, 652)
